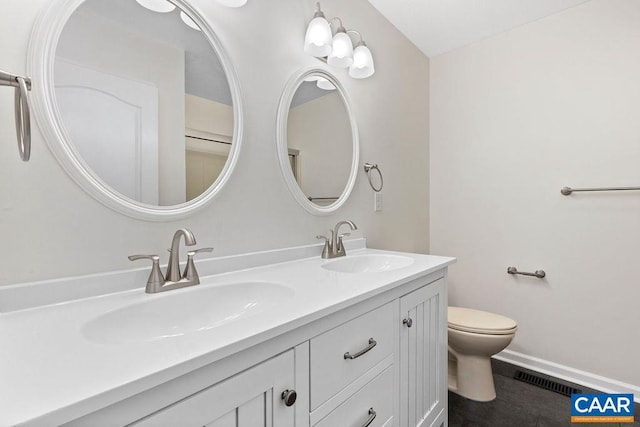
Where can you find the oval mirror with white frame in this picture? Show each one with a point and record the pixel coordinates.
(317, 140)
(138, 101)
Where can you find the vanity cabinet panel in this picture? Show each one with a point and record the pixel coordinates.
(249, 399)
(331, 371)
(374, 400)
(423, 356)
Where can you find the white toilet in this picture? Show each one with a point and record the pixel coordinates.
(475, 336)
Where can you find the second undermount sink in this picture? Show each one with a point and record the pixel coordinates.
(370, 263)
(185, 311)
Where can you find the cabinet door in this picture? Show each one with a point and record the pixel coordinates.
(423, 356)
(249, 399)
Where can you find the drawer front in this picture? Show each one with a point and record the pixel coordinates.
(368, 339)
(375, 398)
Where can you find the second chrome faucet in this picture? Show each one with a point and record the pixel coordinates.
(174, 278)
(333, 246)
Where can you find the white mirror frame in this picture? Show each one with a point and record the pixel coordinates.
(41, 59)
(281, 140)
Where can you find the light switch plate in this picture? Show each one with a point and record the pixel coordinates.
(377, 202)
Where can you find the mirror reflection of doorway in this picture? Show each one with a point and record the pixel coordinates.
(204, 167)
(114, 127)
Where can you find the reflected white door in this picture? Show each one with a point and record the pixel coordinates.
(112, 123)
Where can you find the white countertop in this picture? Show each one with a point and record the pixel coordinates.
(47, 364)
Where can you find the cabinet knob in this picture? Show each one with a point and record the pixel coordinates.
(408, 322)
(289, 397)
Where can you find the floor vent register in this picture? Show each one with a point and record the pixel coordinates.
(546, 383)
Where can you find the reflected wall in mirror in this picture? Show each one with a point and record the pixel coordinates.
(318, 141)
(143, 106)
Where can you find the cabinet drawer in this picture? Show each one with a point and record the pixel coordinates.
(332, 370)
(374, 398)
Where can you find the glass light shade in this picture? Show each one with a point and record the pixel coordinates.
(342, 51)
(362, 66)
(325, 84)
(162, 6)
(233, 3)
(318, 39)
(190, 22)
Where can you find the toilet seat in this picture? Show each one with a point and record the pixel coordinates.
(480, 322)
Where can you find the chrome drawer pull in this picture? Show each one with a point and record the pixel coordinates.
(372, 343)
(372, 416)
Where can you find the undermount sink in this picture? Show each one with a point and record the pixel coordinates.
(370, 263)
(185, 311)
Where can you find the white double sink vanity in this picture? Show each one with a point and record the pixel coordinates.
(277, 338)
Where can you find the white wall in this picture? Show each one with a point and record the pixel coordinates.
(321, 131)
(51, 228)
(211, 117)
(513, 119)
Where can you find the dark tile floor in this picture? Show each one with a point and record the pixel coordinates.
(519, 405)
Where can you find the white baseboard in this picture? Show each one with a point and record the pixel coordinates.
(587, 379)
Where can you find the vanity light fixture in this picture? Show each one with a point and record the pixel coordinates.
(318, 40)
(233, 3)
(325, 84)
(162, 6)
(190, 22)
(320, 81)
(362, 66)
(338, 48)
(341, 48)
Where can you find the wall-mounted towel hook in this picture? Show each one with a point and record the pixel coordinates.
(22, 113)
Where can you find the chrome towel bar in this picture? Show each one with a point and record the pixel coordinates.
(538, 273)
(22, 114)
(568, 190)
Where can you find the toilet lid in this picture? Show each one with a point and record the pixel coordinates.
(480, 322)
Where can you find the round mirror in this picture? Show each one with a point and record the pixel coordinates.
(138, 101)
(317, 141)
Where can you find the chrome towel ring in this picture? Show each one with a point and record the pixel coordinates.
(368, 167)
(22, 114)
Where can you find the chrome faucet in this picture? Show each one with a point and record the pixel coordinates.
(333, 246)
(173, 269)
(174, 279)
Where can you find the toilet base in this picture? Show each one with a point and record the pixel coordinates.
(471, 377)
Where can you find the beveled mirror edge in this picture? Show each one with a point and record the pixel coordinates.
(281, 141)
(40, 65)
